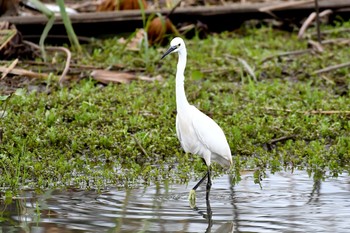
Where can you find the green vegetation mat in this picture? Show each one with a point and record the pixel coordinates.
(89, 135)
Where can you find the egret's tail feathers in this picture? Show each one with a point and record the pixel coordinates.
(224, 161)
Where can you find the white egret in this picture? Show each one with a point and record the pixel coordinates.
(197, 133)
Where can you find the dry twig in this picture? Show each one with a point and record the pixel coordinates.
(23, 72)
(139, 145)
(283, 138)
(337, 30)
(66, 67)
(285, 54)
(13, 65)
(299, 52)
(71, 101)
(331, 68)
(245, 64)
(68, 54)
(336, 41)
(309, 20)
(317, 47)
(314, 112)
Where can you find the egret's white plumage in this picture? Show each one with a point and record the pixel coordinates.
(200, 135)
(197, 133)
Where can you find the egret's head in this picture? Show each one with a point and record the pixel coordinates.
(176, 45)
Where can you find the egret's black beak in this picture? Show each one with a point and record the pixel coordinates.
(172, 48)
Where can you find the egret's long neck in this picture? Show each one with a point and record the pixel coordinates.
(181, 100)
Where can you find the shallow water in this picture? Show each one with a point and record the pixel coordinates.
(286, 203)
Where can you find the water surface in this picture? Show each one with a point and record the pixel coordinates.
(286, 203)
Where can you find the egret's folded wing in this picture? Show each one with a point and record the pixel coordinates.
(210, 134)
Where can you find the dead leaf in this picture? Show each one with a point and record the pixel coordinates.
(108, 76)
(9, 7)
(107, 5)
(159, 28)
(150, 79)
(131, 5)
(12, 45)
(112, 5)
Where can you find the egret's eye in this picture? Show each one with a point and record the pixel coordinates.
(178, 45)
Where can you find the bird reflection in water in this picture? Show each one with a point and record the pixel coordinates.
(227, 227)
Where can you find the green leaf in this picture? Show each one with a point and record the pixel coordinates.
(20, 92)
(197, 75)
(3, 97)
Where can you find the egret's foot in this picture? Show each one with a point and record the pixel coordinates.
(192, 198)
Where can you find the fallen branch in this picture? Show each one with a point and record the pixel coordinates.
(284, 5)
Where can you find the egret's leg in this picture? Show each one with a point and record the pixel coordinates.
(200, 182)
(208, 184)
(192, 196)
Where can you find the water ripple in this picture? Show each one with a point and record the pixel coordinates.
(285, 203)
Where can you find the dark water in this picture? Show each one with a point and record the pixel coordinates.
(287, 203)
